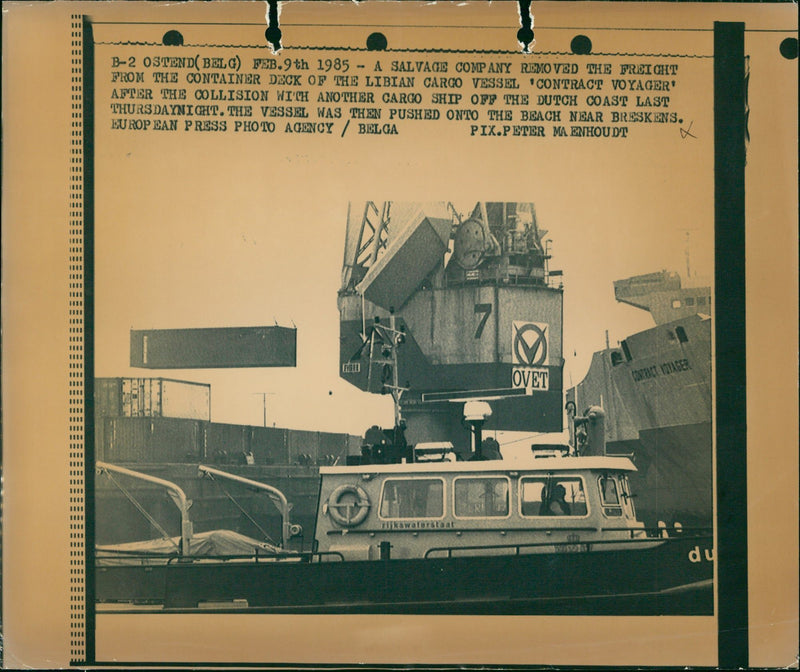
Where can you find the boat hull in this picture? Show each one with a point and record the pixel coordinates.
(669, 576)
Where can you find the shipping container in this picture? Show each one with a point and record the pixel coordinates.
(141, 397)
(225, 444)
(181, 440)
(354, 444)
(107, 397)
(151, 440)
(100, 424)
(224, 347)
(269, 445)
(152, 398)
(333, 448)
(182, 399)
(303, 447)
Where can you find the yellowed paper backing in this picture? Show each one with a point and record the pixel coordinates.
(197, 226)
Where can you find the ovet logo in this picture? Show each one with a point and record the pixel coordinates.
(529, 344)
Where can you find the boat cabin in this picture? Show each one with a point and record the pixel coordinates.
(443, 509)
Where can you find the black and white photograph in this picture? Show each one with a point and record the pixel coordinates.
(483, 477)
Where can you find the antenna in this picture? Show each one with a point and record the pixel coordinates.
(687, 250)
(264, 401)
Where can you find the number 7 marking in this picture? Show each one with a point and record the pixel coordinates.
(486, 309)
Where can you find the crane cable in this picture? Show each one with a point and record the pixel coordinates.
(239, 506)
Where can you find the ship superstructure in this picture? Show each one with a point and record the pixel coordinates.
(474, 304)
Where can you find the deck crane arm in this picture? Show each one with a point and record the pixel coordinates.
(278, 498)
(175, 492)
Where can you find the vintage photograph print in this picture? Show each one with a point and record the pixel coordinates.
(485, 493)
(407, 334)
(488, 392)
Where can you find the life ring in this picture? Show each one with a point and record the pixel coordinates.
(342, 512)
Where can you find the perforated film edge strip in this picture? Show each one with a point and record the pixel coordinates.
(77, 540)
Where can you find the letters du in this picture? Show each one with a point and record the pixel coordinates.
(695, 554)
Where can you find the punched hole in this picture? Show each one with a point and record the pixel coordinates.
(788, 48)
(581, 45)
(273, 35)
(377, 42)
(525, 33)
(273, 31)
(172, 38)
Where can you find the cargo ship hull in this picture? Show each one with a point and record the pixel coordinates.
(675, 473)
(656, 392)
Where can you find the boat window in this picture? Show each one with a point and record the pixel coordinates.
(689, 300)
(481, 497)
(627, 498)
(554, 496)
(676, 303)
(412, 498)
(701, 300)
(609, 496)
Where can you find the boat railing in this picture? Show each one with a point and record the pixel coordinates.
(257, 557)
(122, 552)
(649, 531)
(567, 546)
(665, 532)
(168, 558)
